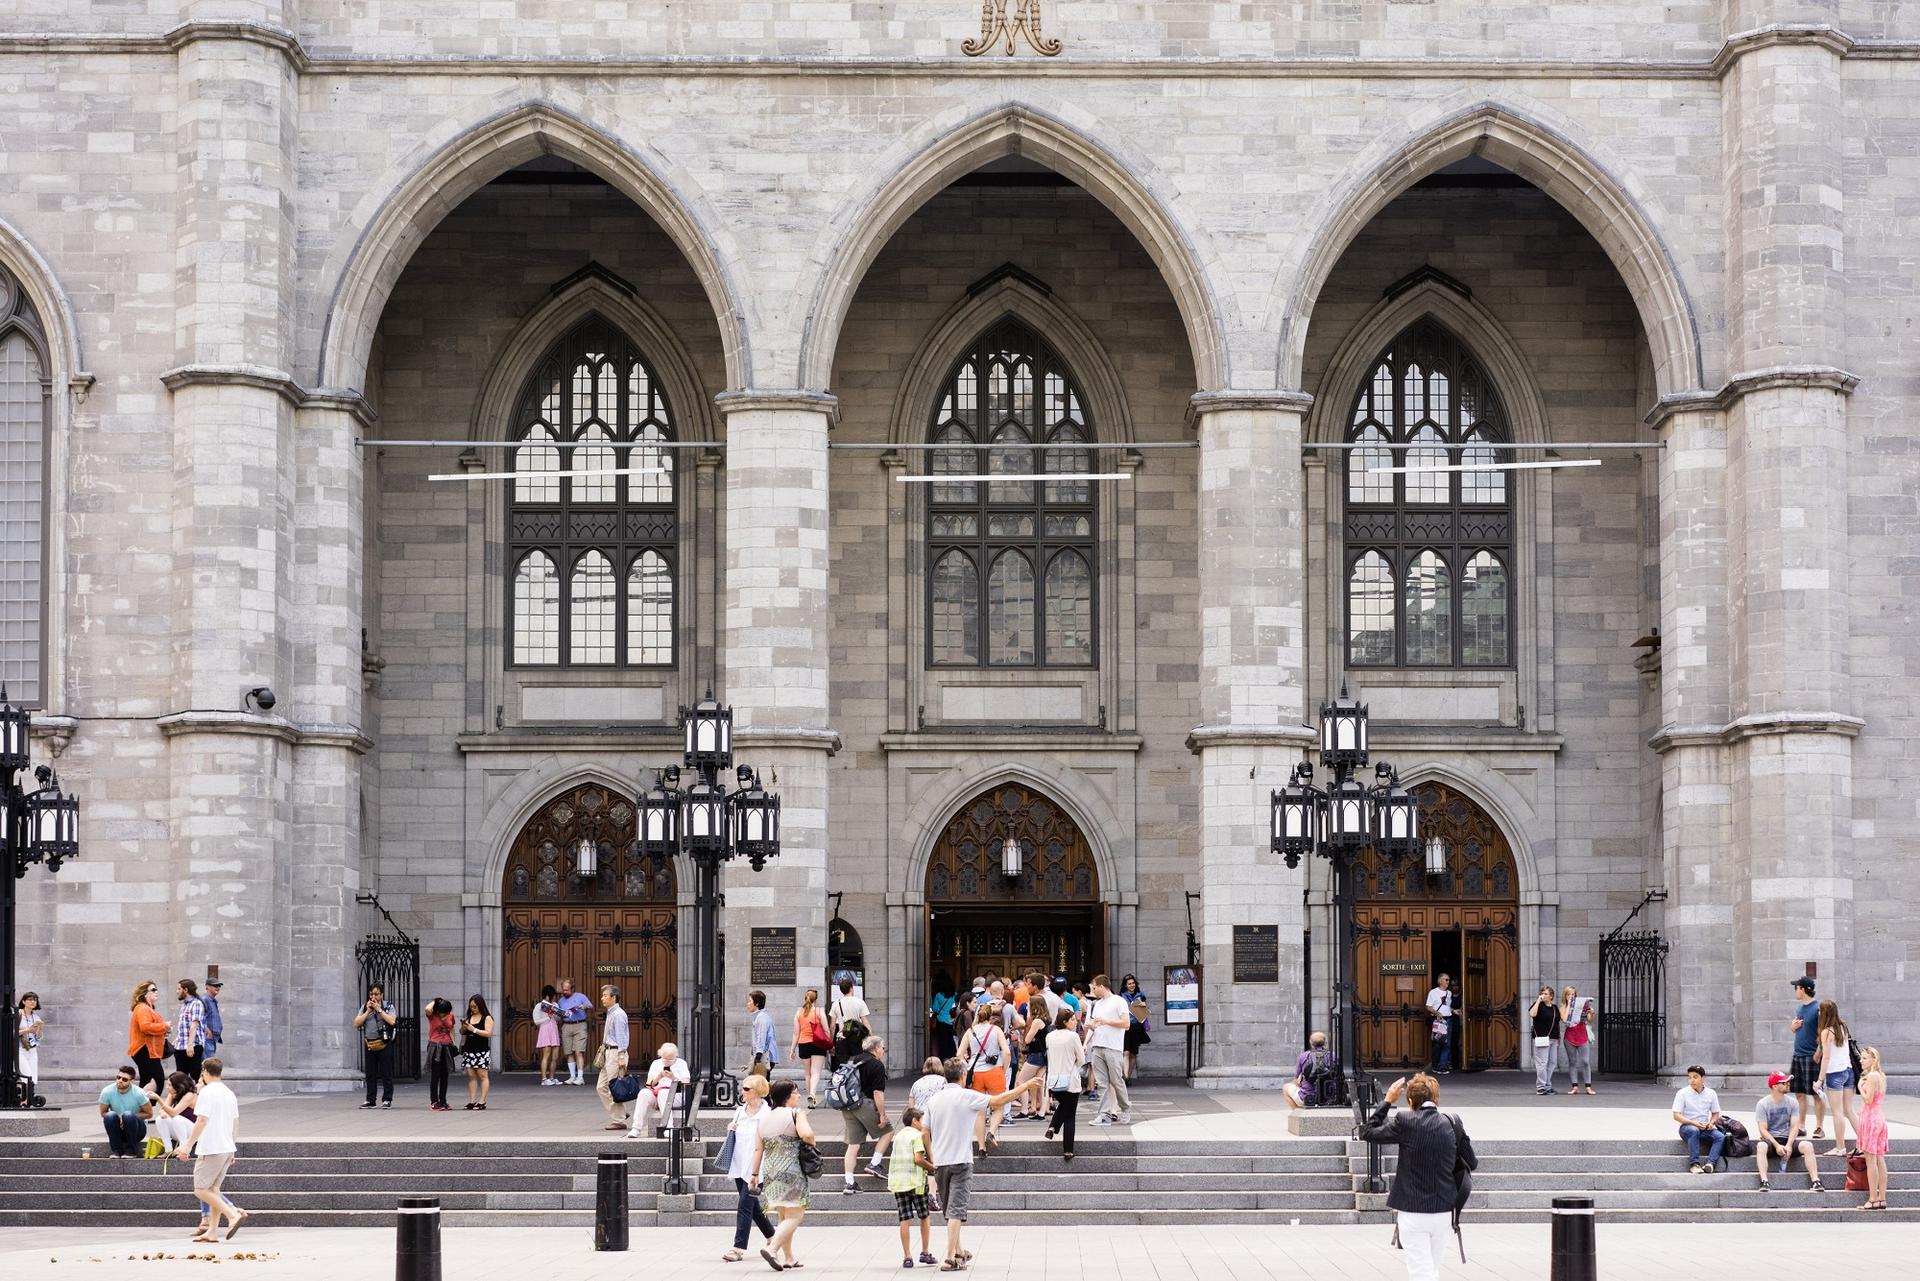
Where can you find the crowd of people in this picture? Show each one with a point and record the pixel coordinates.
(1826, 1072)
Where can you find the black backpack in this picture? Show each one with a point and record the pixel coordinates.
(1323, 1077)
(1739, 1142)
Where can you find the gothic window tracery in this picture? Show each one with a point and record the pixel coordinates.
(25, 409)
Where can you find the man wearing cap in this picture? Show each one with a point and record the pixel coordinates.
(211, 999)
(1804, 1072)
(1776, 1131)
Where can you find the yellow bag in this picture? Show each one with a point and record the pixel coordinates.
(154, 1148)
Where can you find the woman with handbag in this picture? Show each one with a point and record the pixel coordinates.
(985, 1051)
(812, 1043)
(439, 1012)
(147, 1036)
(476, 1050)
(781, 1144)
(1139, 1029)
(1870, 1135)
(1836, 1068)
(736, 1158)
(1065, 1056)
(1546, 1030)
(375, 1023)
(28, 1026)
(173, 1115)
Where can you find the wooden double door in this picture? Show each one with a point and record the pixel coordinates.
(1400, 951)
(630, 946)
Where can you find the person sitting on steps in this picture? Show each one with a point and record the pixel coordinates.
(1697, 1111)
(1776, 1132)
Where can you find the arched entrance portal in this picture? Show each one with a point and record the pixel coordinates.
(1047, 918)
(617, 926)
(1410, 927)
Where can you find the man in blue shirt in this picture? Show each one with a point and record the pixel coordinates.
(1805, 1071)
(574, 1011)
(124, 1109)
(215, 1032)
(766, 1048)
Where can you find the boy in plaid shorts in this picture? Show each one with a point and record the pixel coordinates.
(907, 1170)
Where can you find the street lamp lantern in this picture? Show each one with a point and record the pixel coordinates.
(708, 728)
(1295, 815)
(756, 820)
(15, 733)
(1396, 826)
(1343, 733)
(1348, 831)
(659, 817)
(704, 816)
(41, 826)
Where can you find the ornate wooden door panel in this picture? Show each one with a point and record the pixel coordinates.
(616, 926)
(1390, 1004)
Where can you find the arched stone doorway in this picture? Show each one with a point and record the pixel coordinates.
(1047, 919)
(1410, 927)
(619, 926)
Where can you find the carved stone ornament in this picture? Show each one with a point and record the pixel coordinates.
(1010, 20)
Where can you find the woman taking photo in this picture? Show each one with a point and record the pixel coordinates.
(812, 1043)
(1546, 1030)
(776, 1172)
(1137, 1033)
(984, 1050)
(147, 1036)
(439, 1012)
(476, 1050)
(28, 1026)
(1576, 1022)
(1836, 1067)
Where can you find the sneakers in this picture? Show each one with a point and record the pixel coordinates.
(387, 1104)
(876, 1170)
(850, 1189)
(1103, 1119)
(927, 1258)
(906, 1263)
(367, 1106)
(1696, 1168)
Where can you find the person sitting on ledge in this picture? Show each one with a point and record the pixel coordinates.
(1697, 1110)
(1314, 1072)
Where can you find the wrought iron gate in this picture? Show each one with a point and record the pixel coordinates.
(1633, 1010)
(394, 963)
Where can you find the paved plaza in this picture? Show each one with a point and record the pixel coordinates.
(1016, 1252)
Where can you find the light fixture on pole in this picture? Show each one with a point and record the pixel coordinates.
(1340, 824)
(41, 826)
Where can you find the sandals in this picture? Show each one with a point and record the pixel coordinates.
(953, 1265)
(237, 1224)
(732, 1256)
(772, 1262)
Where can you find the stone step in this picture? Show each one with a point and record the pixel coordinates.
(1489, 1181)
(1068, 1199)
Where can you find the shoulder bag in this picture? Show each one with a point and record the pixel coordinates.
(725, 1159)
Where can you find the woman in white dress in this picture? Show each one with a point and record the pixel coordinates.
(28, 1028)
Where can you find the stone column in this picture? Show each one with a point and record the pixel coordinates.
(1702, 876)
(1791, 722)
(773, 668)
(230, 824)
(1252, 731)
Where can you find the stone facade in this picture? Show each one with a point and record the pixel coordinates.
(257, 233)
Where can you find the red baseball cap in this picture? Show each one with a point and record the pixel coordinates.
(1778, 1078)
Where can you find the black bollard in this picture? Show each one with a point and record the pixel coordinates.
(416, 1255)
(1573, 1258)
(610, 1203)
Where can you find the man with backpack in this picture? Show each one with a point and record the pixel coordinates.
(1432, 1180)
(1316, 1076)
(857, 1091)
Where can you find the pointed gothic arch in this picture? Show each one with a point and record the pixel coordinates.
(1128, 187)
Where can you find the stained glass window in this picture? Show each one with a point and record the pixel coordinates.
(1428, 551)
(990, 545)
(592, 407)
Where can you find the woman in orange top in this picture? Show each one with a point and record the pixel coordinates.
(147, 1036)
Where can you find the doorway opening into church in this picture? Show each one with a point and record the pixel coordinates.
(1043, 918)
(1410, 926)
(617, 925)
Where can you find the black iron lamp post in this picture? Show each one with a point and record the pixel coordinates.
(710, 825)
(41, 826)
(1338, 824)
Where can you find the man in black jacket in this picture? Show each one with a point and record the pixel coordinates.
(1426, 1191)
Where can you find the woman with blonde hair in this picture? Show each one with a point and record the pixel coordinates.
(147, 1036)
(1871, 1133)
(812, 1043)
(984, 1052)
(1576, 1037)
(1836, 1069)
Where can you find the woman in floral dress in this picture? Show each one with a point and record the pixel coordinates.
(777, 1174)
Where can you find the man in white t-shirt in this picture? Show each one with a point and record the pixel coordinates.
(213, 1144)
(951, 1114)
(1107, 1051)
(1440, 1010)
(848, 1007)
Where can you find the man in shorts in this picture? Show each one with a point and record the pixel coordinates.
(869, 1120)
(575, 1009)
(950, 1117)
(1803, 1073)
(213, 1146)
